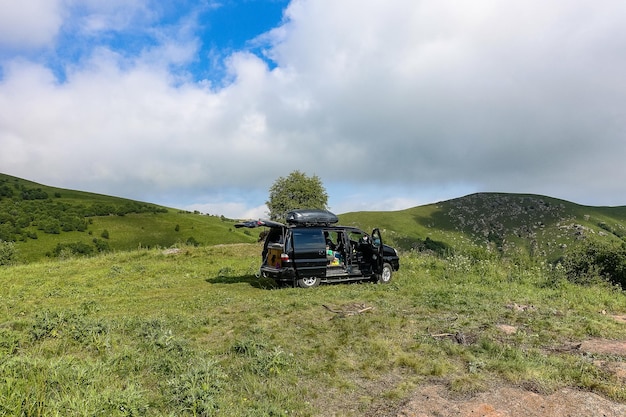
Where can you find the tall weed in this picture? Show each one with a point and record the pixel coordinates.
(196, 390)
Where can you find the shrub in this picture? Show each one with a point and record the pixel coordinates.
(7, 232)
(71, 223)
(440, 248)
(50, 226)
(5, 191)
(595, 260)
(34, 194)
(101, 245)
(7, 253)
(77, 248)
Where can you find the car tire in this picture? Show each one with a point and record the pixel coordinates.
(308, 282)
(385, 276)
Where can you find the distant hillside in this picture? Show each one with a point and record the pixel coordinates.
(506, 223)
(48, 221)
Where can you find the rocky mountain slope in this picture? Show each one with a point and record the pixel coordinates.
(500, 222)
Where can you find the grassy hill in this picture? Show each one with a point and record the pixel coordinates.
(533, 225)
(47, 220)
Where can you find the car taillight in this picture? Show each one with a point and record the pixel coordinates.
(284, 257)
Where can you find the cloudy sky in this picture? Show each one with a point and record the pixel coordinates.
(203, 104)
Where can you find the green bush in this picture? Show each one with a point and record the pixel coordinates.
(7, 233)
(191, 241)
(76, 248)
(5, 191)
(34, 194)
(7, 253)
(50, 225)
(101, 245)
(596, 260)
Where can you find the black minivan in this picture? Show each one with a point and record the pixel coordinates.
(311, 249)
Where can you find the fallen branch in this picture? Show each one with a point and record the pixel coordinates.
(458, 337)
(566, 348)
(349, 312)
(442, 335)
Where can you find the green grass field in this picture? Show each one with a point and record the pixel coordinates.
(145, 333)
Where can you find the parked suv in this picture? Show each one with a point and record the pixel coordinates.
(311, 249)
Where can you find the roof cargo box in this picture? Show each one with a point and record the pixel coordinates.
(311, 217)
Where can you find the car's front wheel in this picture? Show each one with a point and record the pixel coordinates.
(308, 282)
(385, 275)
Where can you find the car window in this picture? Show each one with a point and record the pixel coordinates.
(333, 238)
(376, 239)
(275, 235)
(304, 239)
(355, 236)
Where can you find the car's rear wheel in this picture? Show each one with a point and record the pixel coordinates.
(308, 282)
(385, 275)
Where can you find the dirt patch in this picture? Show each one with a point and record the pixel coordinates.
(611, 349)
(506, 329)
(434, 401)
(604, 347)
(619, 318)
(618, 369)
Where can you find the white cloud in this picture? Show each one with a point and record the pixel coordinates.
(515, 96)
(239, 211)
(104, 15)
(29, 24)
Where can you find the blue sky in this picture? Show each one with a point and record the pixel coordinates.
(202, 105)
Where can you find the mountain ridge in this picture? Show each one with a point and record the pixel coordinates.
(532, 224)
(504, 223)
